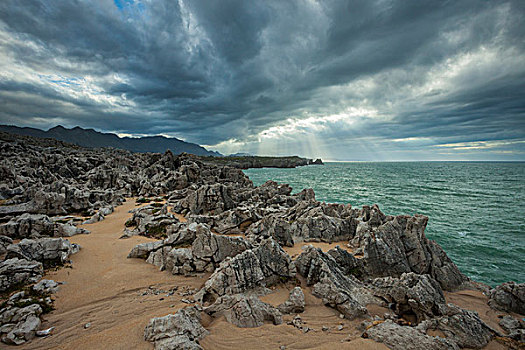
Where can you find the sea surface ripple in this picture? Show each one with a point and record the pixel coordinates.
(476, 209)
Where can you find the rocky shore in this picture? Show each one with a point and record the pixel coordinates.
(247, 162)
(377, 275)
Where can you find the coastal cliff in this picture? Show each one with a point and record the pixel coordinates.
(206, 220)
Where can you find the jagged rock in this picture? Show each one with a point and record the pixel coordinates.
(244, 311)
(95, 218)
(178, 237)
(412, 294)
(207, 250)
(19, 324)
(16, 272)
(347, 262)
(508, 296)
(509, 323)
(514, 328)
(181, 330)
(406, 338)
(48, 251)
(211, 248)
(212, 199)
(342, 292)
(46, 287)
(4, 243)
(143, 250)
(464, 327)
(295, 302)
(322, 228)
(265, 265)
(273, 226)
(68, 230)
(36, 225)
(399, 245)
(232, 221)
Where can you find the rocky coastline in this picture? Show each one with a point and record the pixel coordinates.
(206, 218)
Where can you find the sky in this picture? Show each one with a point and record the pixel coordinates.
(363, 80)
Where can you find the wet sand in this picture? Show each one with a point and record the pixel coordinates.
(105, 289)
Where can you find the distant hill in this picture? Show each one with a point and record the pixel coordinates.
(95, 139)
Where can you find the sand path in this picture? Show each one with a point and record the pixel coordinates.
(105, 289)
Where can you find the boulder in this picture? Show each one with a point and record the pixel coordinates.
(46, 287)
(295, 302)
(406, 338)
(266, 265)
(16, 272)
(412, 295)
(399, 245)
(19, 325)
(244, 311)
(463, 327)
(508, 297)
(49, 251)
(342, 292)
(181, 330)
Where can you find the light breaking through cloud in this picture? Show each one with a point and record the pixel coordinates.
(342, 80)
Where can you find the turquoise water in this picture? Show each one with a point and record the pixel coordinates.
(476, 209)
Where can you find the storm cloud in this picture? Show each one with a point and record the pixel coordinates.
(344, 80)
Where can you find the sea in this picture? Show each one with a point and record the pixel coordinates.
(476, 210)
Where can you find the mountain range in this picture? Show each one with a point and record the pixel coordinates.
(94, 139)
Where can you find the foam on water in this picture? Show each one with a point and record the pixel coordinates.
(476, 209)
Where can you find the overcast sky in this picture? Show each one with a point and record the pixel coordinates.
(341, 80)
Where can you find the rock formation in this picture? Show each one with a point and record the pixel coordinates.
(208, 218)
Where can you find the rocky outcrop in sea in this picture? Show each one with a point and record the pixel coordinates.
(211, 220)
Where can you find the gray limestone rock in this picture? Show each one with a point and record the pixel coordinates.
(342, 292)
(244, 311)
(16, 272)
(46, 287)
(49, 251)
(406, 338)
(508, 296)
(399, 245)
(464, 327)
(19, 324)
(412, 294)
(181, 330)
(295, 302)
(265, 265)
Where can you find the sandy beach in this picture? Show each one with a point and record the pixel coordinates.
(104, 288)
(106, 300)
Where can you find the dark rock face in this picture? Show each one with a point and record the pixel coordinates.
(508, 296)
(398, 245)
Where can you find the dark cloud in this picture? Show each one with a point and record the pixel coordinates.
(412, 78)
